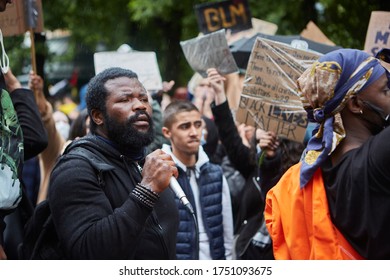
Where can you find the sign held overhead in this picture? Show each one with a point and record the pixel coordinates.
(21, 16)
(269, 99)
(144, 64)
(234, 15)
(378, 32)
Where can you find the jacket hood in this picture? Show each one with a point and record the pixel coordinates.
(202, 158)
(95, 144)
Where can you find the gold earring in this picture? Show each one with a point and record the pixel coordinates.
(361, 112)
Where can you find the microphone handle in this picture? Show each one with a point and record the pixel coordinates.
(176, 188)
(187, 204)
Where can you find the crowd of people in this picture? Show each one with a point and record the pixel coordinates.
(132, 176)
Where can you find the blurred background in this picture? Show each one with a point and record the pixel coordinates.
(74, 30)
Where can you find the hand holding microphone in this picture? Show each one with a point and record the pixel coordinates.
(158, 170)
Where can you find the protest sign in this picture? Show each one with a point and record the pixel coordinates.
(378, 32)
(314, 33)
(234, 15)
(144, 64)
(263, 26)
(20, 16)
(209, 51)
(259, 26)
(269, 99)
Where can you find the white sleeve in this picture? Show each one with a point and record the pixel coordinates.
(227, 216)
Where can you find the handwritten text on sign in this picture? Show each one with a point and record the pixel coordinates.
(378, 32)
(269, 99)
(277, 118)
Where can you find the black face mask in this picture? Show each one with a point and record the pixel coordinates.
(383, 54)
(385, 119)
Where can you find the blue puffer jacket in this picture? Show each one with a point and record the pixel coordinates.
(210, 191)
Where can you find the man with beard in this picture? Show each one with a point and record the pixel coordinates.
(104, 204)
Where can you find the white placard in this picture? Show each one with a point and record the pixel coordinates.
(144, 64)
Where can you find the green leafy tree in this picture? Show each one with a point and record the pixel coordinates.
(344, 22)
(150, 25)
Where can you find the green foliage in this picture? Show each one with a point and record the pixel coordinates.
(346, 22)
(143, 11)
(291, 16)
(18, 57)
(343, 22)
(91, 22)
(150, 25)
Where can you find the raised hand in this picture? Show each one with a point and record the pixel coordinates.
(217, 83)
(269, 143)
(35, 83)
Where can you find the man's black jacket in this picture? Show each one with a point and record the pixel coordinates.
(94, 215)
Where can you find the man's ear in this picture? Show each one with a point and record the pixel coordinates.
(354, 105)
(97, 117)
(166, 132)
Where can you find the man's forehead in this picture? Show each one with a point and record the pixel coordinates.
(188, 120)
(191, 116)
(125, 82)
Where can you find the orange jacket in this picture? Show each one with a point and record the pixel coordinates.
(299, 222)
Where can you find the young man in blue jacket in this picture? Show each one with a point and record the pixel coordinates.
(208, 234)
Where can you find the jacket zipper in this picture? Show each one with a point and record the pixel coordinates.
(159, 230)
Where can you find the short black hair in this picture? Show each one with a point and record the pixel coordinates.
(176, 107)
(97, 93)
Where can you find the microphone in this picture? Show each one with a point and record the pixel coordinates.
(175, 187)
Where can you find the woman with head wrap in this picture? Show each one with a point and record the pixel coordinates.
(335, 203)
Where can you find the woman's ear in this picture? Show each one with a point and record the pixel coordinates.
(354, 105)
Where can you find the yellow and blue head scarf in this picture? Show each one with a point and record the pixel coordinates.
(324, 89)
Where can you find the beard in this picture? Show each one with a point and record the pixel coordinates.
(125, 135)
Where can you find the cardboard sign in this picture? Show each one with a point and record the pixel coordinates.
(18, 17)
(378, 32)
(259, 26)
(269, 99)
(314, 33)
(209, 51)
(144, 64)
(234, 15)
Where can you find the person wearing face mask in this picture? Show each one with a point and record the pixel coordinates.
(334, 204)
(62, 123)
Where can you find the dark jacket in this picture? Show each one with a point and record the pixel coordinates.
(243, 160)
(34, 141)
(249, 218)
(210, 196)
(34, 133)
(95, 222)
